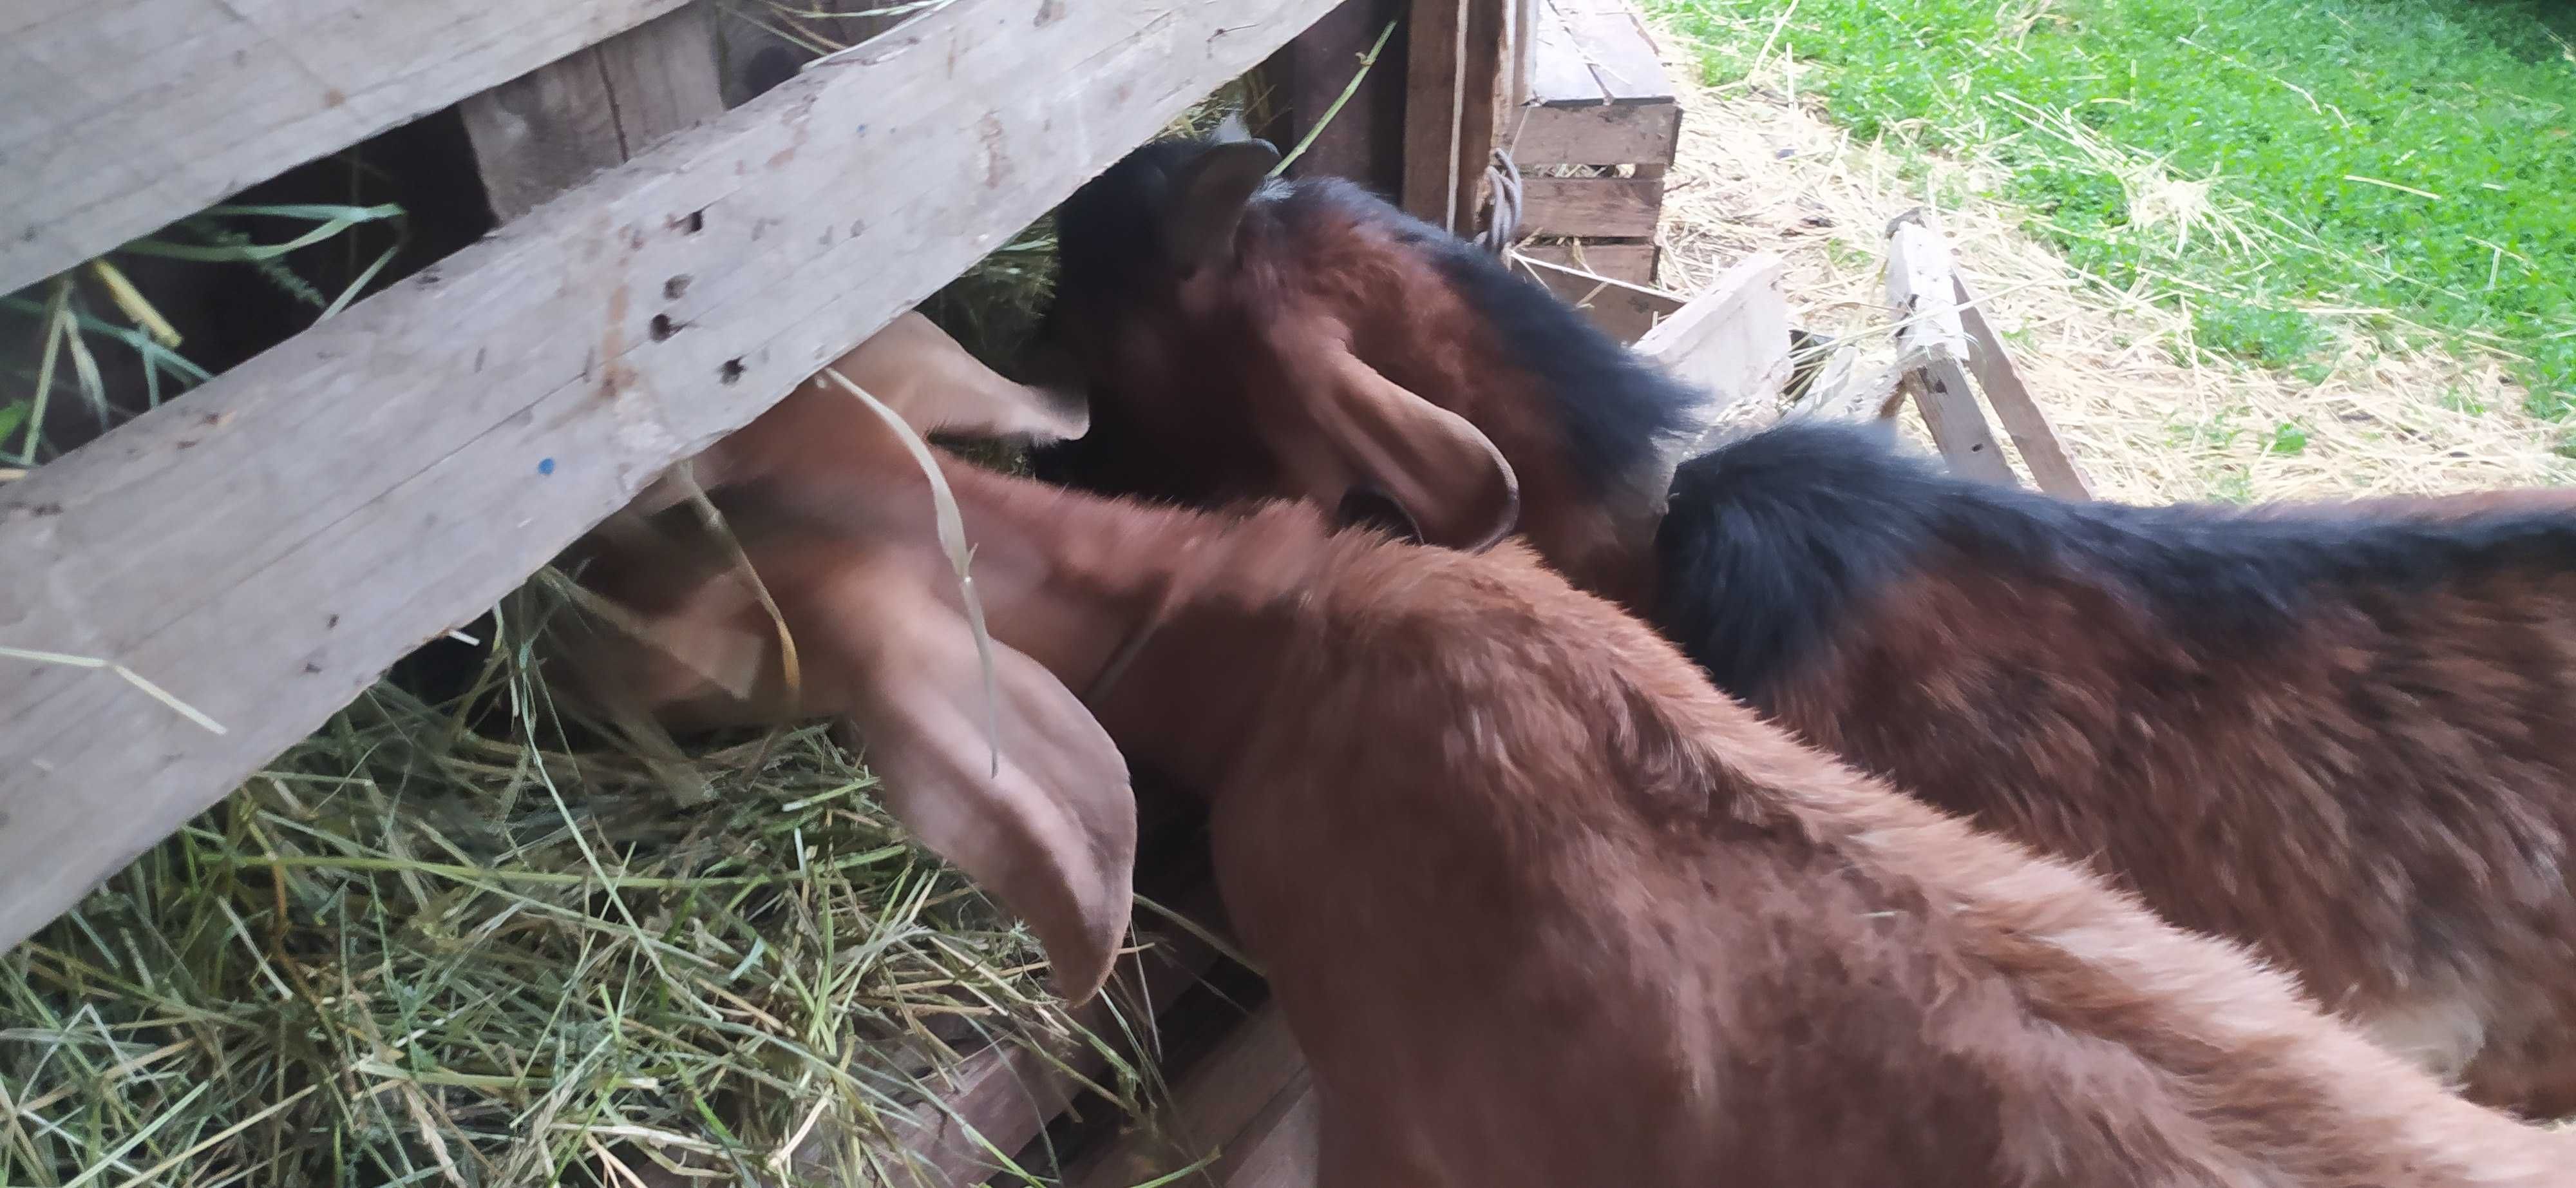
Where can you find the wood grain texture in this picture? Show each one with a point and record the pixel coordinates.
(1585, 207)
(1280, 1148)
(1612, 39)
(1213, 1105)
(1929, 334)
(267, 546)
(2032, 436)
(546, 131)
(1453, 76)
(1622, 311)
(1731, 342)
(1365, 140)
(117, 116)
(1633, 263)
(1598, 134)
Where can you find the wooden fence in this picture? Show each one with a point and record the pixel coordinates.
(188, 595)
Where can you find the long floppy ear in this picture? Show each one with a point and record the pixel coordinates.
(1052, 833)
(1441, 471)
(1209, 197)
(936, 386)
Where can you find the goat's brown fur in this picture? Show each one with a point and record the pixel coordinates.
(1546, 909)
(2374, 792)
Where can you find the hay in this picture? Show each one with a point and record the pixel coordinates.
(2148, 415)
(411, 951)
(466, 941)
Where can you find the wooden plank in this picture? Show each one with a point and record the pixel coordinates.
(1598, 134)
(1623, 311)
(552, 128)
(1732, 341)
(1009, 1095)
(1525, 21)
(1931, 340)
(1630, 262)
(117, 116)
(1280, 1149)
(1586, 207)
(1612, 38)
(1453, 67)
(1213, 1105)
(1558, 74)
(1365, 140)
(2033, 438)
(265, 547)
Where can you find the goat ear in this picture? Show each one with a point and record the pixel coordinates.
(1440, 471)
(934, 384)
(1052, 833)
(1209, 198)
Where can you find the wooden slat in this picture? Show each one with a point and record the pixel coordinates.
(550, 129)
(1220, 1098)
(1615, 46)
(1279, 1149)
(117, 116)
(1583, 207)
(1623, 311)
(1365, 141)
(1633, 263)
(1453, 69)
(1598, 134)
(1929, 335)
(265, 547)
(1732, 341)
(2037, 442)
(1558, 74)
(1009, 1095)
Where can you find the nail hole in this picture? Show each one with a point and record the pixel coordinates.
(731, 371)
(696, 222)
(663, 327)
(674, 287)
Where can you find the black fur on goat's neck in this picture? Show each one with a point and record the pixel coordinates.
(1615, 412)
(1773, 541)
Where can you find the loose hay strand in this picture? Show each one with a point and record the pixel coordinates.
(952, 538)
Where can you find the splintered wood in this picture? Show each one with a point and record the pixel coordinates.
(1941, 336)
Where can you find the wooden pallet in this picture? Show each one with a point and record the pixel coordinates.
(1597, 97)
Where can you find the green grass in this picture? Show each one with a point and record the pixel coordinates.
(2416, 157)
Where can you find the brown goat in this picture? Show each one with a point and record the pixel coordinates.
(1542, 907)
(2335, 733)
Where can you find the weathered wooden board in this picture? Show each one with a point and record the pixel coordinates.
(265, 547)
(1928, 332)
(1008, 1095)
(1732, 341)
(1607, 207)
(1623, 311)
(552, 128)
(1212, 1106)
(1633, 263)
(1280, 1148)
(1616, 49)
(1453, 76)
(1600, 134)
(117, 116)
(1365, 140)
(2037, 442)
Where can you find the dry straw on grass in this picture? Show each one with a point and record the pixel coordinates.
(2147, 415)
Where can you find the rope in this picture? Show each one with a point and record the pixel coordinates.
(1503, 228)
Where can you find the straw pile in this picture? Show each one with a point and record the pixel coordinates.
(2148, 415)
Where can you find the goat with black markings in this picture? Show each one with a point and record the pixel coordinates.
(2334, 732)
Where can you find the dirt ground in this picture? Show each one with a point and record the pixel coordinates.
(2148, 417)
